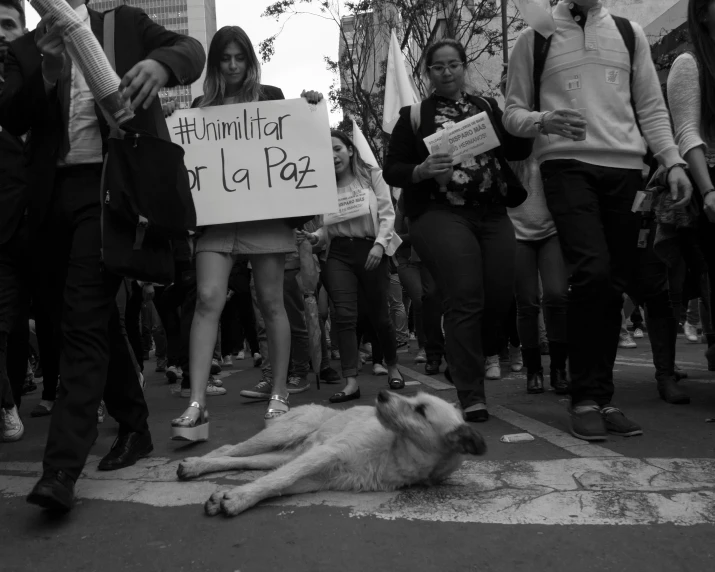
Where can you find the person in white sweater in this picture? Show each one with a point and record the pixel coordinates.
(590, 146)
(694, 120)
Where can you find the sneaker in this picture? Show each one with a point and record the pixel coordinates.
(42, 409)
(517, 363)
(227, 361)
(297, 384)
(619, 424)
(215, 367)
(421, 356)
(213, 390)
(691, 333)
(174, 374)
(379, 369)
(12, 427)
(366, 348)
(215, 381)
(587, 423)
(29, 386)
(492, 369)
(101, 411)
(161, 365)
(638, 333)
(335, 354)
(241, 355)
(257, 360)
(626, 341)
(262, 390)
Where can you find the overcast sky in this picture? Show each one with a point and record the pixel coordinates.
(298, 62)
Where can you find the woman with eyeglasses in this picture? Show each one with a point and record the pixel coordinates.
(459, 224)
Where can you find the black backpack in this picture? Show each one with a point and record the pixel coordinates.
(541, 51)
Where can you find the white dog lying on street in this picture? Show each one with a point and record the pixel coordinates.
(402, 441)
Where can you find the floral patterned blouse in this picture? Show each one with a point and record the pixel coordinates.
(476, 180)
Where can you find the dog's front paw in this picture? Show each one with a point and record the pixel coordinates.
(189, 468)
(235, 502)
(213, 505)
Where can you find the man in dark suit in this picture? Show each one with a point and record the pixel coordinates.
(46, 93)
(13, 233)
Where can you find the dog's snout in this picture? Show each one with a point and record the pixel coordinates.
(383, 396)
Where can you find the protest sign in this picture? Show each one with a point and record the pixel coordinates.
(351, 204)
(466, 139)
(257, 161)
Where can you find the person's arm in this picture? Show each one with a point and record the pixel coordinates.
(519, 118)
(385, 211)
(515, 148)
(650, 106)
(685, 100)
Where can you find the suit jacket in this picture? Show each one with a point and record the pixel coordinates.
(25, 104)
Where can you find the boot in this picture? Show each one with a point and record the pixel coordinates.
(662, 334)
(534, 371)
(559, 351)
(710, 352)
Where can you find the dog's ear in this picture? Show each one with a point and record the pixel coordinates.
(466, 440)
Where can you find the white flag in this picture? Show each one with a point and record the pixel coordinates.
(537, 14)
(398, 87)
(363, 146)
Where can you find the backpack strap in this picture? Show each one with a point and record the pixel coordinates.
(541, 50)
(415, 116)
(625, 28)
(109, 27)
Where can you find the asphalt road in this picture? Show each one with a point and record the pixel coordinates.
(554, 504)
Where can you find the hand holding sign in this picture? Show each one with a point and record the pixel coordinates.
(466, 139)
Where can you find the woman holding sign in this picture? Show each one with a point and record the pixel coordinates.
(456, 199)
(233, 76)
(360, 238)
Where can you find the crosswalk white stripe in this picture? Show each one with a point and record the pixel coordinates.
(573, 491)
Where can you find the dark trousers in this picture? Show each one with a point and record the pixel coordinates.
(169, 304)
(345, 279)
(14, 317)
(534, 259)
(95, 358)
(470, 254)
(246, 326)
(591, 207)
(133, 312)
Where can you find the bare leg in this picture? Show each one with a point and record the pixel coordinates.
(239, 499)
(212, 271)
(196, 466)
(268, 270)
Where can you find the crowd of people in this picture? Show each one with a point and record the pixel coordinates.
(505, 254)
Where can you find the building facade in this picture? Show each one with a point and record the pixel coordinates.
(195, 18)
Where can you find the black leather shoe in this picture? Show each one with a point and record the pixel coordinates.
(560, 382)
(535, 382)
(54, 491)
(127, 450)
(329, 375)
(342, 397)
(432, 367)
(671, 393)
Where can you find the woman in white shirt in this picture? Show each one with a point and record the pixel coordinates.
(357, 260)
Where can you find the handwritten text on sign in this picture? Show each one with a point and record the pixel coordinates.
(257, 161)
(468, 138)
(351, 204)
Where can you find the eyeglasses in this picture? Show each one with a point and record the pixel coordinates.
(451, 66)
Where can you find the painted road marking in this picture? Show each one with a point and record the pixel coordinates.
(425, 379)
(595, 491)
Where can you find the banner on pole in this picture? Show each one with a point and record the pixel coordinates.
(257, 161)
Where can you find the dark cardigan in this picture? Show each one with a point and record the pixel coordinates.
(407, 150)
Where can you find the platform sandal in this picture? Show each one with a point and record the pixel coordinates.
(273, 414)
(186, 428)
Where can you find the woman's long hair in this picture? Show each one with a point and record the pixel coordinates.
(704, 49)
(214, 84)
(357, 165)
